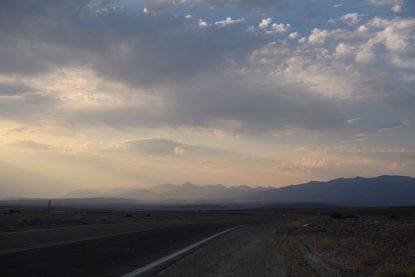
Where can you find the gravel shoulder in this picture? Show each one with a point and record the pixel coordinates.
(248, 251)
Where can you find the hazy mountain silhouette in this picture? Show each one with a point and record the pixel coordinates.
(358, 191)
(186, 192)
(379, 191)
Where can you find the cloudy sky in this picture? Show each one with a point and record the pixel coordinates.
(240, 92)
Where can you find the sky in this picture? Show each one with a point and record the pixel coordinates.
(129, 93)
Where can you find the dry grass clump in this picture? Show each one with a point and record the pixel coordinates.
(23, 220)
(346, 241)
(294, 225)
(366, 258)
(7, 228)
(408, 271)
(342, 216)
(324, 244)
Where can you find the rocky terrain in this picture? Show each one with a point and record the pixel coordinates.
(339, 243)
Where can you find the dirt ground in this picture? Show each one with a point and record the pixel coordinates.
(351, 243)
(27, 218)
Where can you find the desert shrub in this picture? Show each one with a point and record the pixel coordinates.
(11, 211)
(76, 218)
(23, 220)
(367, 257)
(7, 228)
(324, 244)
(342, 216)
(400, 272)
(394, 216)
(294, 225)
(346, 241)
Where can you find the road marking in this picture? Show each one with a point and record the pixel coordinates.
(67, 228)
(20, 249)
(145, 269)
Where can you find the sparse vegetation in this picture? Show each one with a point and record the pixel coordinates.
(8, 228)
(324, 244)
(11, 211)
(292, 225)
(400, 272)
(23, 220)
(342, 216)
(366, 258)
(77, 218)
(346, 241)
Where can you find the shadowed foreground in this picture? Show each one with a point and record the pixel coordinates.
(108, 256)
(299, 242)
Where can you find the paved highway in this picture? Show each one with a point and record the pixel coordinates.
(17, 241)
(105, 255)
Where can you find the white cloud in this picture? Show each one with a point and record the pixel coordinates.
(353, 120)
(397, 8)
(362, 29)
(351, 18)
(343, 49)
(228, 21)
(294, 35)
(202, 23)
(396, 35)
(273, 28)
(278, 28)
(396, 5)
(265, 23)
(318, 36)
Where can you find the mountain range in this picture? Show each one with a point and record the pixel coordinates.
(353, 192)
(378, 191)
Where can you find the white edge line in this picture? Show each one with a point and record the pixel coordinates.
(158, 262)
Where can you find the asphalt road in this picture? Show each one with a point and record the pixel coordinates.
(105, 256)
(16, 241)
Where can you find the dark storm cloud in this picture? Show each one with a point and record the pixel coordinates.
(167, 147)
(13, 88)
(216, 101)
(175, 55)
(141, 49)
(258, 107)
(154, 147)
(27, 107)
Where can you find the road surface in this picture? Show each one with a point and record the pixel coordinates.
(57, 253)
